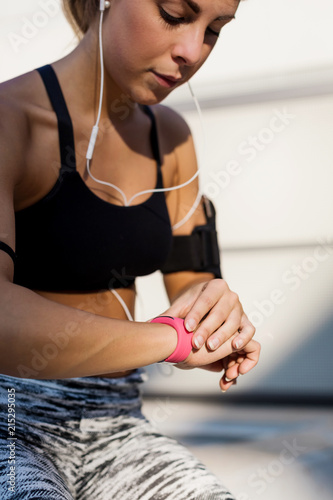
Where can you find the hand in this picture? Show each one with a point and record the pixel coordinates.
(215, 314)
(235, 364)
(239, 363)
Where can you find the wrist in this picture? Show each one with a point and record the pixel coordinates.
(165, 340)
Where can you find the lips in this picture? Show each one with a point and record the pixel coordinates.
(167, 81)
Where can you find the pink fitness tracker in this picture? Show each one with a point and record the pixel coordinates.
(184, 345)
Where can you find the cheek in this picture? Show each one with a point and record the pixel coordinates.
(207, 50)
(131, 39)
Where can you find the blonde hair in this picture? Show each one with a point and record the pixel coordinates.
(80, 14)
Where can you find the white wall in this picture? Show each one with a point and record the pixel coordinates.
(274, 201)
(275, 228)
(268, 36)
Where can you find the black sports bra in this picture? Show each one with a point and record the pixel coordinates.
(72, 240)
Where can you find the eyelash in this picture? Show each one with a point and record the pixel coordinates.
(175, 21)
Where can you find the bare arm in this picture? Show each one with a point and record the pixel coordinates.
(208, 306)
(43, 339)
(40, 338)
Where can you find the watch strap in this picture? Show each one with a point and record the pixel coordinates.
(184, 344)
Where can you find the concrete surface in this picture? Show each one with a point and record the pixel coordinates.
(259, 452)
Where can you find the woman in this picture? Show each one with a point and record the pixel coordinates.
(71, 362)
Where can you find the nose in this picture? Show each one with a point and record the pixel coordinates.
(188, 48)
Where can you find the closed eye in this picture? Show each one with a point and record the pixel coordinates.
(175, 21)
(171, 20)
(212, 32)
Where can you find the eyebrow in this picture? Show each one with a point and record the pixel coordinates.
(196, 9)
(194, 6)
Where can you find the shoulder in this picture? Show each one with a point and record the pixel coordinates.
(181, 166)
(22, 99)
(22, 92)
(170, 118)
(14, 128)
(20, 104)
(178, 153)
(176, 144)
(173, 129)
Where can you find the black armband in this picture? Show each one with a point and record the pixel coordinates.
(6, 248)
(198, 251)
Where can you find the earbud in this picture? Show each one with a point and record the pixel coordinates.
(104, 4)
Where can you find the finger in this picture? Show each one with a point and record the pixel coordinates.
(239, 363)
(231, 368)
(226, 331)
(246, 333)
(231, 373)
(228, 362)
(214, 319)
(181, 306)
(211, 293)
(251, 353)
(224, 385)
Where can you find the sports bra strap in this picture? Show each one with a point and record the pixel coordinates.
(65, 127)
(153, 136)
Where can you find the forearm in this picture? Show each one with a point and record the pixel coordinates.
(43, 339)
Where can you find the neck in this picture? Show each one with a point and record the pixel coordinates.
(80, 74)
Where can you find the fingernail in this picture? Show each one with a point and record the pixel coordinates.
(190, 325)
(212, 344)
(228, 379)
(198, 342)
(238, 343)
(223, 390)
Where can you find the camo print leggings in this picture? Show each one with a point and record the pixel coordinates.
(86, 439)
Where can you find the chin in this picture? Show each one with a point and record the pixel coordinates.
(147, 98)
(152, 96)
(151, 101)
(148, 95)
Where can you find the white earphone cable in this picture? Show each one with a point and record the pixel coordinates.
(102, 66)
(123, 303)
(107, 184)
(94, 134)
(190, 212)
(203, 160)
(92, 143)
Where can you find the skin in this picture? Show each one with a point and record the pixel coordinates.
(140, 46)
